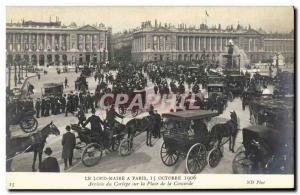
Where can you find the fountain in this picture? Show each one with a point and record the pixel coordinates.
(234, 59)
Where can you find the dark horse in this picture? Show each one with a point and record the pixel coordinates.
(150, 124)
(33, 143)
(228, 129)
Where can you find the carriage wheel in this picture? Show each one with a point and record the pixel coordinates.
(241, 164)
(29, 124)
(91, 155)
(214, 157)
(168, 157)
(196, 159)
(125, 147)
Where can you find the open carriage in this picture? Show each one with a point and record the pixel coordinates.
(191, 141)
(92, 146)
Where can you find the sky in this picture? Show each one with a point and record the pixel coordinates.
(271, 19)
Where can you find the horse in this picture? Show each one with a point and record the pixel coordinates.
(33, 143)
(228, 129)
(139, 125)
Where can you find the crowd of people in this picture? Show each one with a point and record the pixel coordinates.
(165, 79)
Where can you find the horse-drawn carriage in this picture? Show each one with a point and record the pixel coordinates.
(217, 97)
(133, 96)
(270, 110)
(265, 150)
(17, 114)
(92, 146)
(186, 135)
(235, 84)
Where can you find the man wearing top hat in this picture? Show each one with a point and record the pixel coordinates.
(50, 163)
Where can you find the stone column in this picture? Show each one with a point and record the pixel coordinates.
(145, 43)
(53, 43)
(221, 44)
(29, 41)
(182, 39)
(249, 43)
(67, 42)
(188, 43)
(254, 46)
(194, 40)
(205, 43)
(226, 41)
(210, 49)
(21, 44)
(45, 42)
(216, 43)
(37, 60)
(59, 42)
(37, 42)
(199, 42)
(83, 42)
(91, 43)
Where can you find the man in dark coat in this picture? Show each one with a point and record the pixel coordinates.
(38, 107)
(50, 163)
(95, 121)
(68, 142)
(63, 102)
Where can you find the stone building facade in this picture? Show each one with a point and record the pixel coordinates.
(167, 43)
(50, 43)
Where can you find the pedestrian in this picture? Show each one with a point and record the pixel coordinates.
(66, 82)
(68, 107)
(81, 116)
(68, 143)
(50, 163)
(38, 107)
(43, 106)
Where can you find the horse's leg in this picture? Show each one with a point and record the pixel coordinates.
(233, 140)
(150, 135)
(40, 158)
(147, 138)
(34, 159)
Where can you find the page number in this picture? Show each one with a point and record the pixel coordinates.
(11, 185)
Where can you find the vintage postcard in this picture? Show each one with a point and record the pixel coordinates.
(164, 98)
